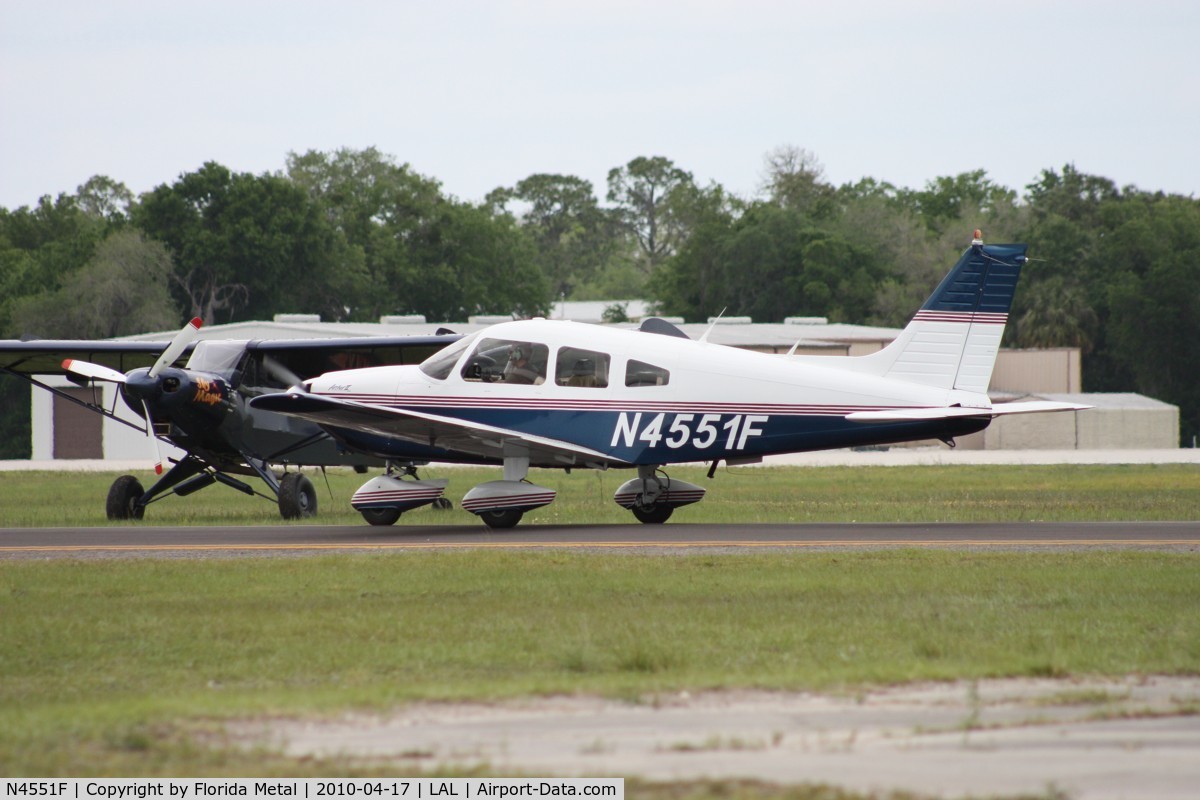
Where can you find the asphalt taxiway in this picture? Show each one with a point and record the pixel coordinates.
(148, 540)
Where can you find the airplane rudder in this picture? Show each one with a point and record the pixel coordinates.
(982, 281)
(952, 341)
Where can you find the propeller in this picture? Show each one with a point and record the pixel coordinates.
(158, 463)
(95, 372)
(142, 385)
(177, 346)
(284, 375)
(99, 372)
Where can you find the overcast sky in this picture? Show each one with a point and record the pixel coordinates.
(483, 94)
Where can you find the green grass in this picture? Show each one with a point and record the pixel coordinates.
(777, 494)
(115, 666)
(130, 667)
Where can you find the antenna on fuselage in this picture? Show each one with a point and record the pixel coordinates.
(712, 324)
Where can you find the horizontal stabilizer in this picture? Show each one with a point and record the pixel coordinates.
(949, 412)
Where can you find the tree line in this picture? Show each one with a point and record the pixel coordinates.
(355, 234)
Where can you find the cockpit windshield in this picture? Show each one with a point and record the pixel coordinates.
(439, 365)
(218, 357)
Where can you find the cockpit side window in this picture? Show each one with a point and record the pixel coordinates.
(439, 365)
(639, 373)
(579, 367)
(507, 361)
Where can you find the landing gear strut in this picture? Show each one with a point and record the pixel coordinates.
(294, 492)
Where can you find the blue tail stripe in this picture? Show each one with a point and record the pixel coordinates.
(984, 279)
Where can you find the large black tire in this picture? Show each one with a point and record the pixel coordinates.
(502, 518)
(653, 515)
(123, 497)
(297, 497)
(380, 516)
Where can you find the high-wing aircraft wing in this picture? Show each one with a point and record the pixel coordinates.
(306, 358)
(46, 356)
(436, 432)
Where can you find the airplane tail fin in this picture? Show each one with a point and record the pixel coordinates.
(952, 341)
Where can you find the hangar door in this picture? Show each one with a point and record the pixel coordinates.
(77, 430)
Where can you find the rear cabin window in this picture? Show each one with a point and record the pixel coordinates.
(507, 361)
(583, 368)
(639, 373)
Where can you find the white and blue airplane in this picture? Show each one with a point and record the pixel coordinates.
(552, 393)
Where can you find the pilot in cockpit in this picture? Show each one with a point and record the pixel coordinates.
(519, 368)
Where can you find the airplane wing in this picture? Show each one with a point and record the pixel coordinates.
(45, 356)
(433, 430)
(306, 358)
(926, 414)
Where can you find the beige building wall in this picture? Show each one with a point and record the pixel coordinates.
(1055, 370)
(1128, 429)
(1032, 432)
(1117, 422)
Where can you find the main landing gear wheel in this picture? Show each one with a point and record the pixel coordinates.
(381, 516)
(442, 504)
(123, 496)
(297, 497)
(503, 518)
(653, 515)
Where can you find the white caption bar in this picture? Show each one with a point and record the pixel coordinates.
(309, 788)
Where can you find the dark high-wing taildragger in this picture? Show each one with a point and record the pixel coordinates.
(202, 406)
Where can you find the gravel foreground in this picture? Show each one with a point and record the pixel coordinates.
(1093, 739)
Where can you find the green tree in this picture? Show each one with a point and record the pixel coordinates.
(1054, 312)
(794, 178)
(42, 250)
(1153, 301)
(769, 263)
(948, 200)
(122, 290)
(379, 207)
(423, 253)
(643, 191)
(473, 262)
(42, 247)
(575, 239)
(247, 246)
